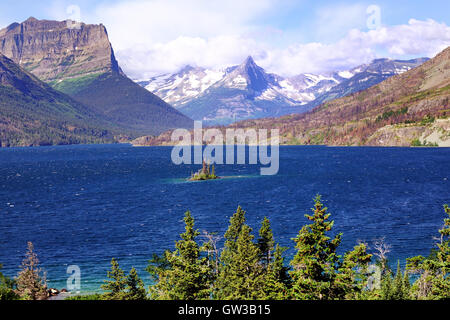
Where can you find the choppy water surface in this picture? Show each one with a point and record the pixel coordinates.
(84, 205)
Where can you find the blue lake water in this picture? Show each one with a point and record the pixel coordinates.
(83, 205)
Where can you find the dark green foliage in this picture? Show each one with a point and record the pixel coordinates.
(316, 261)
(266, 242)
(122, 287)
(353, 274)
(126, 104)
(418, 143)
(277, 282)
(242, 278)
(117, 283)
(391, 113)
(7, 287)
(134, 286)
(433, 271)
(183, 274)
(397, 287)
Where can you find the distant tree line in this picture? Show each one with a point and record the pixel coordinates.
(248, 268)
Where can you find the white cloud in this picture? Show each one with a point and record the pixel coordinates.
(416, 39)
(159, 36)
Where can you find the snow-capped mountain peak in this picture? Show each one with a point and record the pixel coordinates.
(248, 91)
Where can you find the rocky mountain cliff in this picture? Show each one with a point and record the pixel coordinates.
(58, 50)
(79, 61)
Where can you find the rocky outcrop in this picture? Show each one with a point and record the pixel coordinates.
(58, 50)
(78, 60)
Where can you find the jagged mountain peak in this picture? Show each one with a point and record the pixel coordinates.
(31, 19)
(247, 90)
(249, 61)
(248, 75)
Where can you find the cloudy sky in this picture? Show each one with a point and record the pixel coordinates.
(287, 37)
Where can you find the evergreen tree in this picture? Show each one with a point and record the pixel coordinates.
(187, 275)
(352, 274)
(7, 287)
(434, 279)
(266, 242)
(237, 221)
(134, 287)
(242, 277)
(277, 281)
(30, 281)
(116, 286)
(399, 290)
(397, 287)
(441, 282)
(316, 262)
(387, 286)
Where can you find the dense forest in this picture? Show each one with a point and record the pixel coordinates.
(255, 268)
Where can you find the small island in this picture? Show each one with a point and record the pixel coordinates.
(204, 174)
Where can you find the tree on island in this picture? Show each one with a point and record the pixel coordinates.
(205, 173)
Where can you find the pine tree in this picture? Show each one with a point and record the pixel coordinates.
(387, 286)
(266, 242)
(240, 272)
(134, 286)
(277, 281)
(237, 221)
(316, 262)
(352, 273)
(441, 284)
(434, 278)
(117, 285)
(242, 276)
(187, 275)
(399, 290)
(30, 281)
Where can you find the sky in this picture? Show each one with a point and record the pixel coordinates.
(287, 37)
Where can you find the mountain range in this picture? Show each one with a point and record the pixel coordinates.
(78, 60)
(410, 108)
(247, 91)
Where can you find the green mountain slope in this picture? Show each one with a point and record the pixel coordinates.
(32, 113)
(124, 103)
